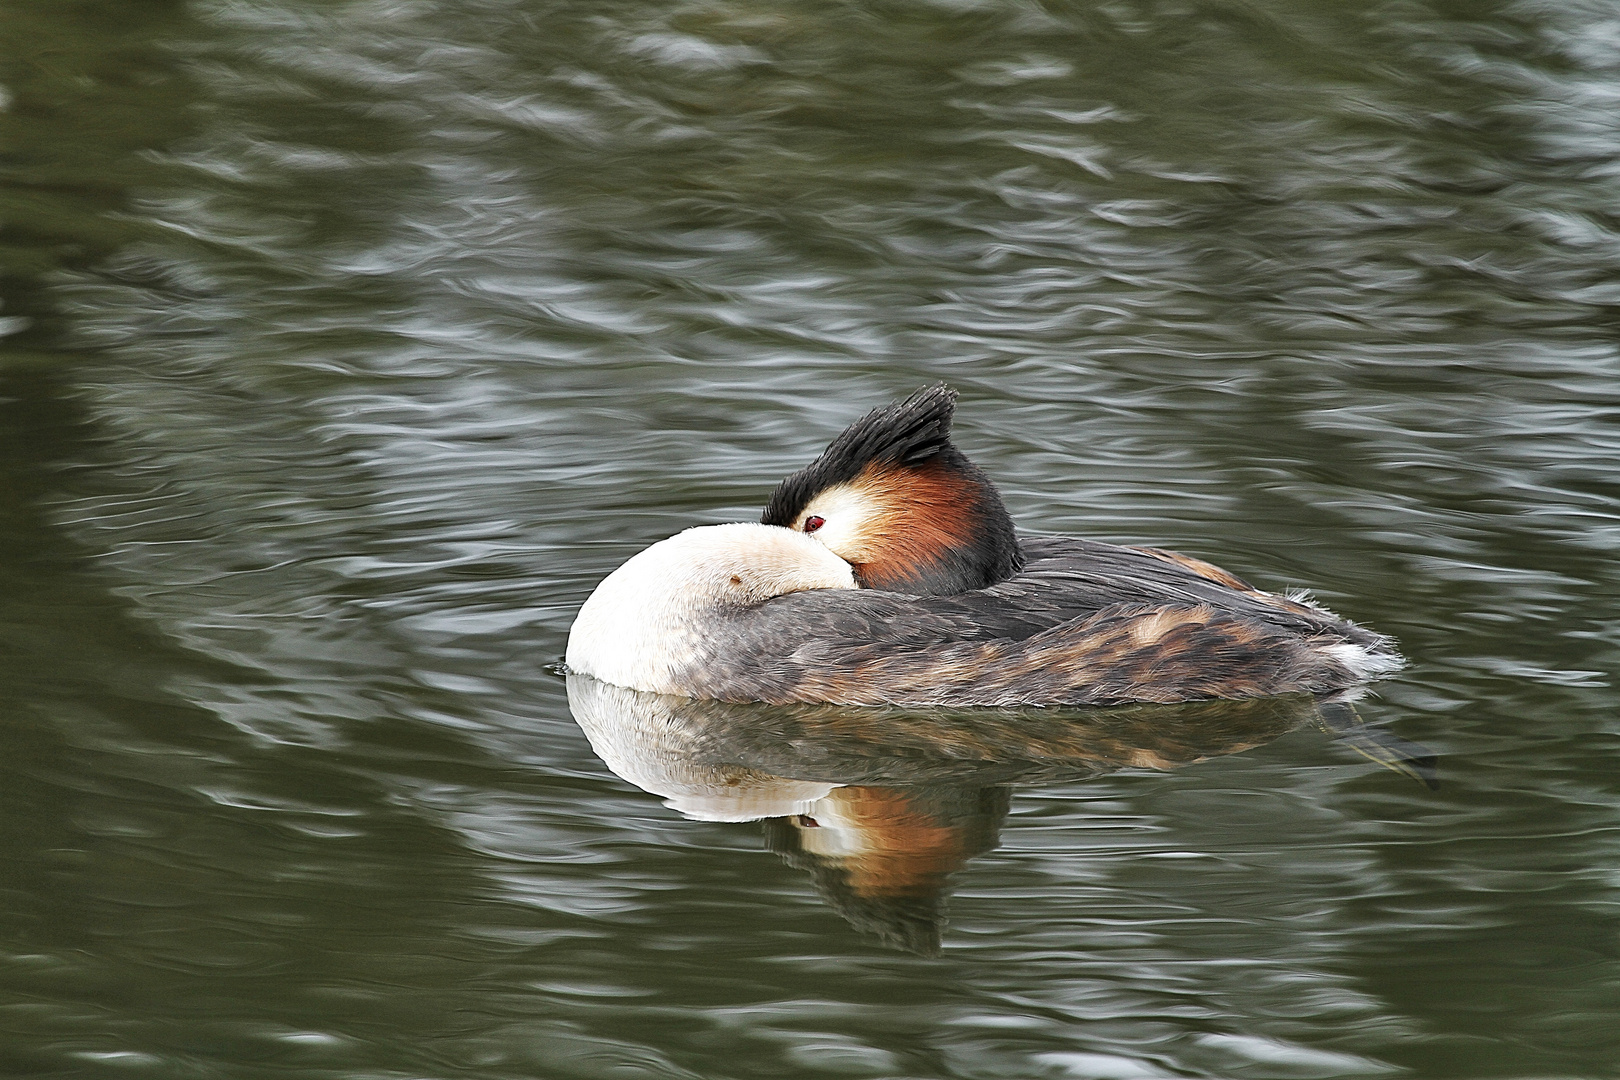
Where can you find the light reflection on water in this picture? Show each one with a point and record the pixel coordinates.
(354, 344)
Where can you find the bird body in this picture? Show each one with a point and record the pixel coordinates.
(888, 572)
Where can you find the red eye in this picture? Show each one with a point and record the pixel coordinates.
(812, 523)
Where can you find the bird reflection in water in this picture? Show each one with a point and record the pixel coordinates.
(881, 856)
(881, 805)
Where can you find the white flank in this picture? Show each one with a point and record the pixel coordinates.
(1362, 662)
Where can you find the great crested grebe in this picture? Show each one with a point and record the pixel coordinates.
(887, 572)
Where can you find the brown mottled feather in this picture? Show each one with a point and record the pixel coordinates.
(1199, 567)
(1084, 624)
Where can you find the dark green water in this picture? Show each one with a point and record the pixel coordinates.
(349, 344)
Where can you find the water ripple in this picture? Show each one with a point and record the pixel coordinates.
(374, 335)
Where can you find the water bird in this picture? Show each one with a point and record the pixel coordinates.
(888, 572)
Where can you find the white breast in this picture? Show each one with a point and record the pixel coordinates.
(641, 626)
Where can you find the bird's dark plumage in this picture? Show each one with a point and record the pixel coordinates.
(1084, 623)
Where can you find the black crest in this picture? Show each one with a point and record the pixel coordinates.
(904, 435)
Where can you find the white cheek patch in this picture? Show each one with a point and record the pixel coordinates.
(847, 512)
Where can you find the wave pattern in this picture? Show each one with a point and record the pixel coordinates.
(394, 326)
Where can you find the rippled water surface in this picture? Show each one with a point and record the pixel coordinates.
(347, 345)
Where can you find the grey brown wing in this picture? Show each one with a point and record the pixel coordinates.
(1084, 623)
(1088, 576)
(762, 652)
(810, 651)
